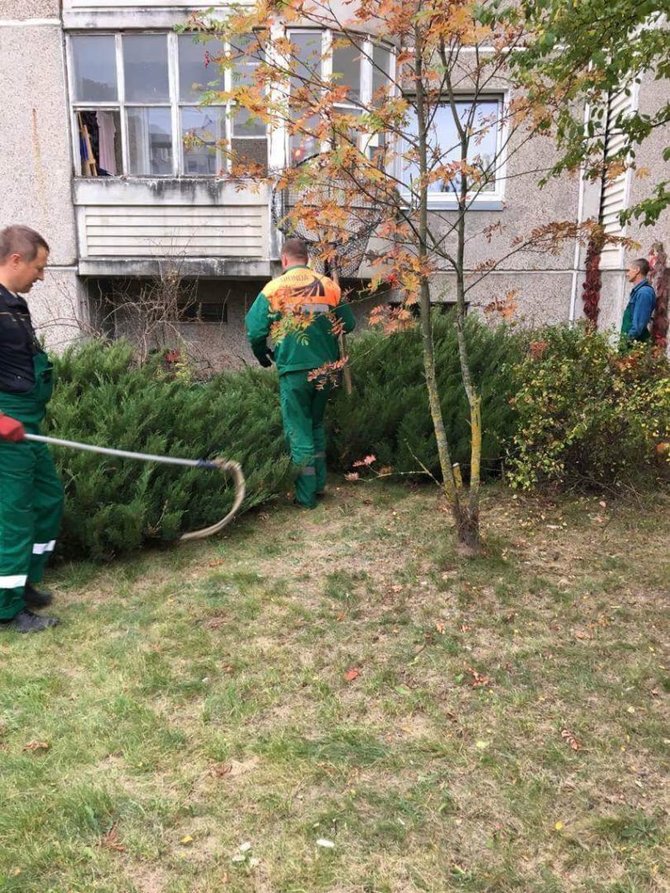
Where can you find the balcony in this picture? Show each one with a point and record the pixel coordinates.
(205, 227)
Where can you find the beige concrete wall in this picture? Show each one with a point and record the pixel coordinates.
(29, 9)
(35, 163)
(540, 297)
(59, 308)
(649, 156)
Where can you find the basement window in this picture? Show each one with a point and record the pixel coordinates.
(205, 311)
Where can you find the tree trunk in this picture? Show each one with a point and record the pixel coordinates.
(469, 542)
(467, 533)
(341, 339)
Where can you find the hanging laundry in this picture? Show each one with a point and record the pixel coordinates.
(106, 142)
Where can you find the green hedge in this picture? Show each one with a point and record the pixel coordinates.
(114, 506)
(103, 397)
(388, 415)
(589, 415)
(561, 406)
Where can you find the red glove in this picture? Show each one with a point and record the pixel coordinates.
(11, 429)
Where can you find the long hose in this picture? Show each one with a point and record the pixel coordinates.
(227, 466)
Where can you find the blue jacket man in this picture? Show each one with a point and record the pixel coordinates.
(636, 317)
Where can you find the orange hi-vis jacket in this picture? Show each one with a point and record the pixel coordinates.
(302, 291)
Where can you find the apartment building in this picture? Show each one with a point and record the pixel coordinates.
(98, 105)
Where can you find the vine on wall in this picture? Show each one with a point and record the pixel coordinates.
(593, 281)
(659, 277)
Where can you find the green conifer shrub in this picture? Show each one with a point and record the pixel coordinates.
(114, 505)
(388, 415)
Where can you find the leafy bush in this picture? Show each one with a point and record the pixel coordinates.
(115, 505)
(588, 414)
(388, 415)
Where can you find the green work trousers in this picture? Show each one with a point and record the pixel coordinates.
(31, 496)
(303, 406)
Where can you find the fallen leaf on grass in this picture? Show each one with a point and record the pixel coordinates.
(440, 626)
(478, 679)
(111, 841)
(570, 739)
(219, 770)
(36, 745)
(186, 840)
(352, 674)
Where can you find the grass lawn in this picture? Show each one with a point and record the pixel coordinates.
(331, 701)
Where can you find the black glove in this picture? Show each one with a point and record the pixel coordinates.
(265, 358)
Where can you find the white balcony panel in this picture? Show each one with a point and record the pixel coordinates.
(187, 219)
(174, 232)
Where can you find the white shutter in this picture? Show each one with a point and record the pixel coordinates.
(616, 190)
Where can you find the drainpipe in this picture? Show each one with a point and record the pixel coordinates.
(580, 215)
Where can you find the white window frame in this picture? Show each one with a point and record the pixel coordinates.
(328, 35)
(480, 201)
(174, 103)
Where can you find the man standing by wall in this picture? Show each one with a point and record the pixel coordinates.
(31, 495)
(636, 317)
(314, 301)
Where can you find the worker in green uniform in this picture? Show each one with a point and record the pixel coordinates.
(315, 301)
(31, 495)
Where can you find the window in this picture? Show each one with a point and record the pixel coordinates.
(136, 106)
(307, 65)
(484, 119)
(382, 88)
(363, 67)
(204, 311)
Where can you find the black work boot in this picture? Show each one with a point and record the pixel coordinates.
(37, 598)
(27, 622)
